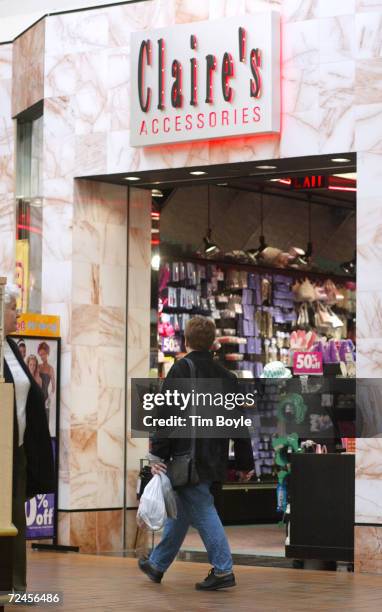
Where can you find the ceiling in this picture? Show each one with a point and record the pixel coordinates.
(256, 176)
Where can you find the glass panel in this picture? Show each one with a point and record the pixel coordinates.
(29, 214)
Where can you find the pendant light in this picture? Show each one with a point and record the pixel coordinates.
(210, 246)
(254, 253)
(306, 258)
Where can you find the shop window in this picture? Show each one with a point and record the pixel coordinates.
(29, 213)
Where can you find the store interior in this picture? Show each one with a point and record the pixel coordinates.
(268, 251)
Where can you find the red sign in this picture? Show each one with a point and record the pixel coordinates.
(309, 182)
(307, 363)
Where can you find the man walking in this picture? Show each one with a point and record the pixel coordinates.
(195, 502)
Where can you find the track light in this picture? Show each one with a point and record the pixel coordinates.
(306, 257)
(255, 253)
(349, 267)
(209, 245)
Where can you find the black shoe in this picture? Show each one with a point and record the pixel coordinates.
(149, 570)
(213, 582)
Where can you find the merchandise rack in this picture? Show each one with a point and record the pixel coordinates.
(248, 267)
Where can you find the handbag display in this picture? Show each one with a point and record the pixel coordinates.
(322, 318)
(305, 292)
(334, 296)
(181, 469)
(335, 320)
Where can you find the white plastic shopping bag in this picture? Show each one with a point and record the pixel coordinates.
(152, 509)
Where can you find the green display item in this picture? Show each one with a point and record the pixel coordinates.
(294, 404)
(281, 476)
(281, 445)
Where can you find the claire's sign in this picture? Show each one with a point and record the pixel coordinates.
(307, 363)
(204, 80)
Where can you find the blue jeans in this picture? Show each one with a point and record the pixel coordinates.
(196, 508)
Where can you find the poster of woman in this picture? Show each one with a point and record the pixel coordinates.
(41, 357)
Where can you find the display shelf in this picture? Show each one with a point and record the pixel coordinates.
(294, 273)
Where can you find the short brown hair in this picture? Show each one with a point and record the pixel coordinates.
(200, 333)
(43, 346)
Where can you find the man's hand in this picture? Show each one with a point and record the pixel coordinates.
(245, 476)
(158, 468)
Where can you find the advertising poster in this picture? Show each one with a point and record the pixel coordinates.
(42, 357)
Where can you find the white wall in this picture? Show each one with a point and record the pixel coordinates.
(15, 17)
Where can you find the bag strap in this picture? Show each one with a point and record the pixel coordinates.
(193, 376)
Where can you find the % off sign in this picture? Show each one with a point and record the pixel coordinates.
(39, 513)
(307, 364)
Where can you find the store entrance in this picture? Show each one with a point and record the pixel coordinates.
(270, 255)
(267, 249)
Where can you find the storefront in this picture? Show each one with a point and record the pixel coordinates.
(222, 105)
(267, 304)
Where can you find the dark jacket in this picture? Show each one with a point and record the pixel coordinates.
(211, 455)
(37, 441)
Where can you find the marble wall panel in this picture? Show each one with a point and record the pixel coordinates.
(7, 206)
(335, 8)
(368, 503)
(336, 38)
(369, 253)
(368, 5)
(138, 338)
(100, 202)
(369, 127)
(300, 89)
(77, 32)
(118, 101)
(109, 527)
(369, 314)
(110, 367)
(368, 543)
(368, 81)
(91, 154)
(83, 531)
(299, 10)
(86, 283)
(368, 35)
(85, 325)
(6, 170)
(138, 540)
(191, 10)
(28, 68)
(64, 527)
(57, 230)
(369, 357)
(301, 44)
(92, 531)
(6, 64)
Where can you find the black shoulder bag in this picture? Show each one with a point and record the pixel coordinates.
(181, 468)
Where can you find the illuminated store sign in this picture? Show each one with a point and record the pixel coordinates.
(212, 79)
(310, 182)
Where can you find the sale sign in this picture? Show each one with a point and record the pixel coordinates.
(307, 364)
(39, 514)
(171, 344)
